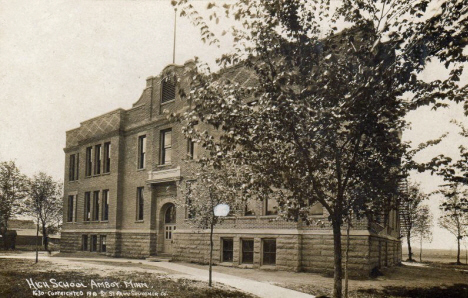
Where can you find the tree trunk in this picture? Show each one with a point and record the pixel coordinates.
(458, 252)
(37, 241)
(347, 257)
(410, 254)
(211, 255)
(420, 250)
(338, 274)
(45, 240)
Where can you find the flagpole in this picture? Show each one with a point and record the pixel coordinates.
(175, 30)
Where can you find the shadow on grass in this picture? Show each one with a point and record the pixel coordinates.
(454, 291)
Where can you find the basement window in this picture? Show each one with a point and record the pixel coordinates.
(228, 249)
(269, 251)
(103, 243)
(247, 251)
(84, 242)
(93, 242)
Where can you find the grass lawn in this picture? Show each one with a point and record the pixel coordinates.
(52, 280)
(427, 280)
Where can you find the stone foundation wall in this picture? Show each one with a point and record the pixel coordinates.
(194, 247)
(131, 245)
(384, 252)
(71, 242)
(318, 253)
(296, 252)
(137, 245)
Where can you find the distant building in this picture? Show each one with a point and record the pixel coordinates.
(26, 231)
(123, 175)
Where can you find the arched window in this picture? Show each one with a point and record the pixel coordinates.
(170, 215)
(168, 89)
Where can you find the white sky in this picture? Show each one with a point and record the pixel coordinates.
(63, 62)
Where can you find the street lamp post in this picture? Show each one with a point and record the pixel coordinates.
(219, 210)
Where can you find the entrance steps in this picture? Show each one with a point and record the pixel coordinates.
(160, 258)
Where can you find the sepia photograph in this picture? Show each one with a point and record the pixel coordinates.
(234, 148)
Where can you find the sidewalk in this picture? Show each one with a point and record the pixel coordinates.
(260, 289)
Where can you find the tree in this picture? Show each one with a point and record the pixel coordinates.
(12, 191)
(45, 204)
(454, 209)
(423, 227)
(211, 187)
(411, 204)
(455, 173)
(323, 115)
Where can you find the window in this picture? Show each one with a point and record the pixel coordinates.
(95, 212)
(105, 205)
(141, 151)
(89, 161)
(168, 89)
(140, 203)
(271, 207)
(250, 208)
(247, 251)
(166, 146)
(70, 209)
(228, 249)
(77, 166)
(97, 159)
(73, 167)
(317, 209)
(191, 149)
(170, 215)
(87, 206)
(107, 158)
(103, 243)
(269, 251)
(93, 242)
(84, 242)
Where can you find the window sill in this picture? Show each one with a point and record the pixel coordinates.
(139, 221)
(106, 173)
(164, 165)
(268, 267)
(96, 175)
(269, 216)
(167, 102)
(140, 169)
(227, 264)
(72, 181)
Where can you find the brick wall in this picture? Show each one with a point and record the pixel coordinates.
(298, 247)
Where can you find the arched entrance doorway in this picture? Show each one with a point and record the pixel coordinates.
(169, 226)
